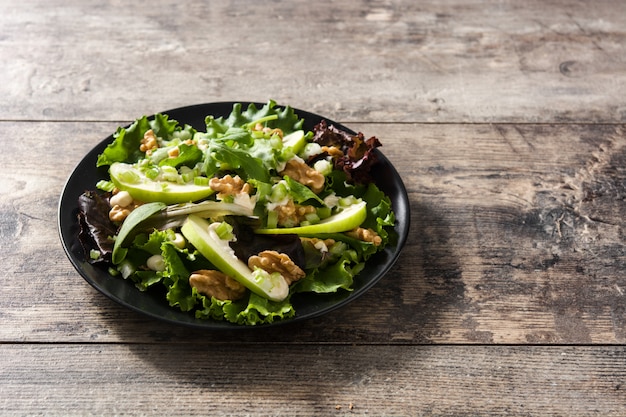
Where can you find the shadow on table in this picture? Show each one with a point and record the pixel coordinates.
(402, 309)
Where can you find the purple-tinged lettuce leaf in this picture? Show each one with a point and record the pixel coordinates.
(358, 156)
(96, 229)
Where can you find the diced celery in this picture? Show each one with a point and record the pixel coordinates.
(169, 169)
(169, 173)
(187, 174)
(324, 212)
(312, 218)
(279, 191)
(105, 185)
(276, 142)
(158, 155)
(272, 219)
(347, 201)
(200, 180)
(263, 190)
(152, 172)
(224, 231)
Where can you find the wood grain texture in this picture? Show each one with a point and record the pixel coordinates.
(179, 380)
(404, 61)
(506, 121)
(516, 238)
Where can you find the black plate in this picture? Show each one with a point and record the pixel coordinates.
(85, 176)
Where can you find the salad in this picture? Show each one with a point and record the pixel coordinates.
(232, 221)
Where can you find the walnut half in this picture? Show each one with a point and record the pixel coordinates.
(216, 284)
(272, 261)
(229, 185)
(304, 174)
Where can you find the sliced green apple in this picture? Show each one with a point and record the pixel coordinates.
(203, 236)
(126, 177)
(348, 219)
(295, 141)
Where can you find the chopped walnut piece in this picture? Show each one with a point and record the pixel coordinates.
(299, 171)
(118, 213)
(366, 235)
(291, 214)
(216, 284)
(149, 142)
(272, 132)
(229, 185)
(121, 203)
(173, 153)
(272, 261)
(268, 130)
(333, 151)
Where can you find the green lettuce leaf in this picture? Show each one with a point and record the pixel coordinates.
(287, 120)
(179, 292)
(339, 275)
(221, 157)
(153, 242)
(250, 311)
(144, 279)
(125, 146)
(189, 155)
(144, 246)
(300, 192)
(379, 212)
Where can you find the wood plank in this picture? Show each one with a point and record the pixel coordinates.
(259, 380)
(516, 238)
(405, 61)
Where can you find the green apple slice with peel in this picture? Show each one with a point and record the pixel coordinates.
(295, 141)
(128, 178)
(351, 217)
(203, 236)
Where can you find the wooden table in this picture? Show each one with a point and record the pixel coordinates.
(505, 119)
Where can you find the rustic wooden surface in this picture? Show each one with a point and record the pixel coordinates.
(506, 121)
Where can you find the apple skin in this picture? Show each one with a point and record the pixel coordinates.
(295, 141)
(349, 219)
(198, 232)
(148, 191)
